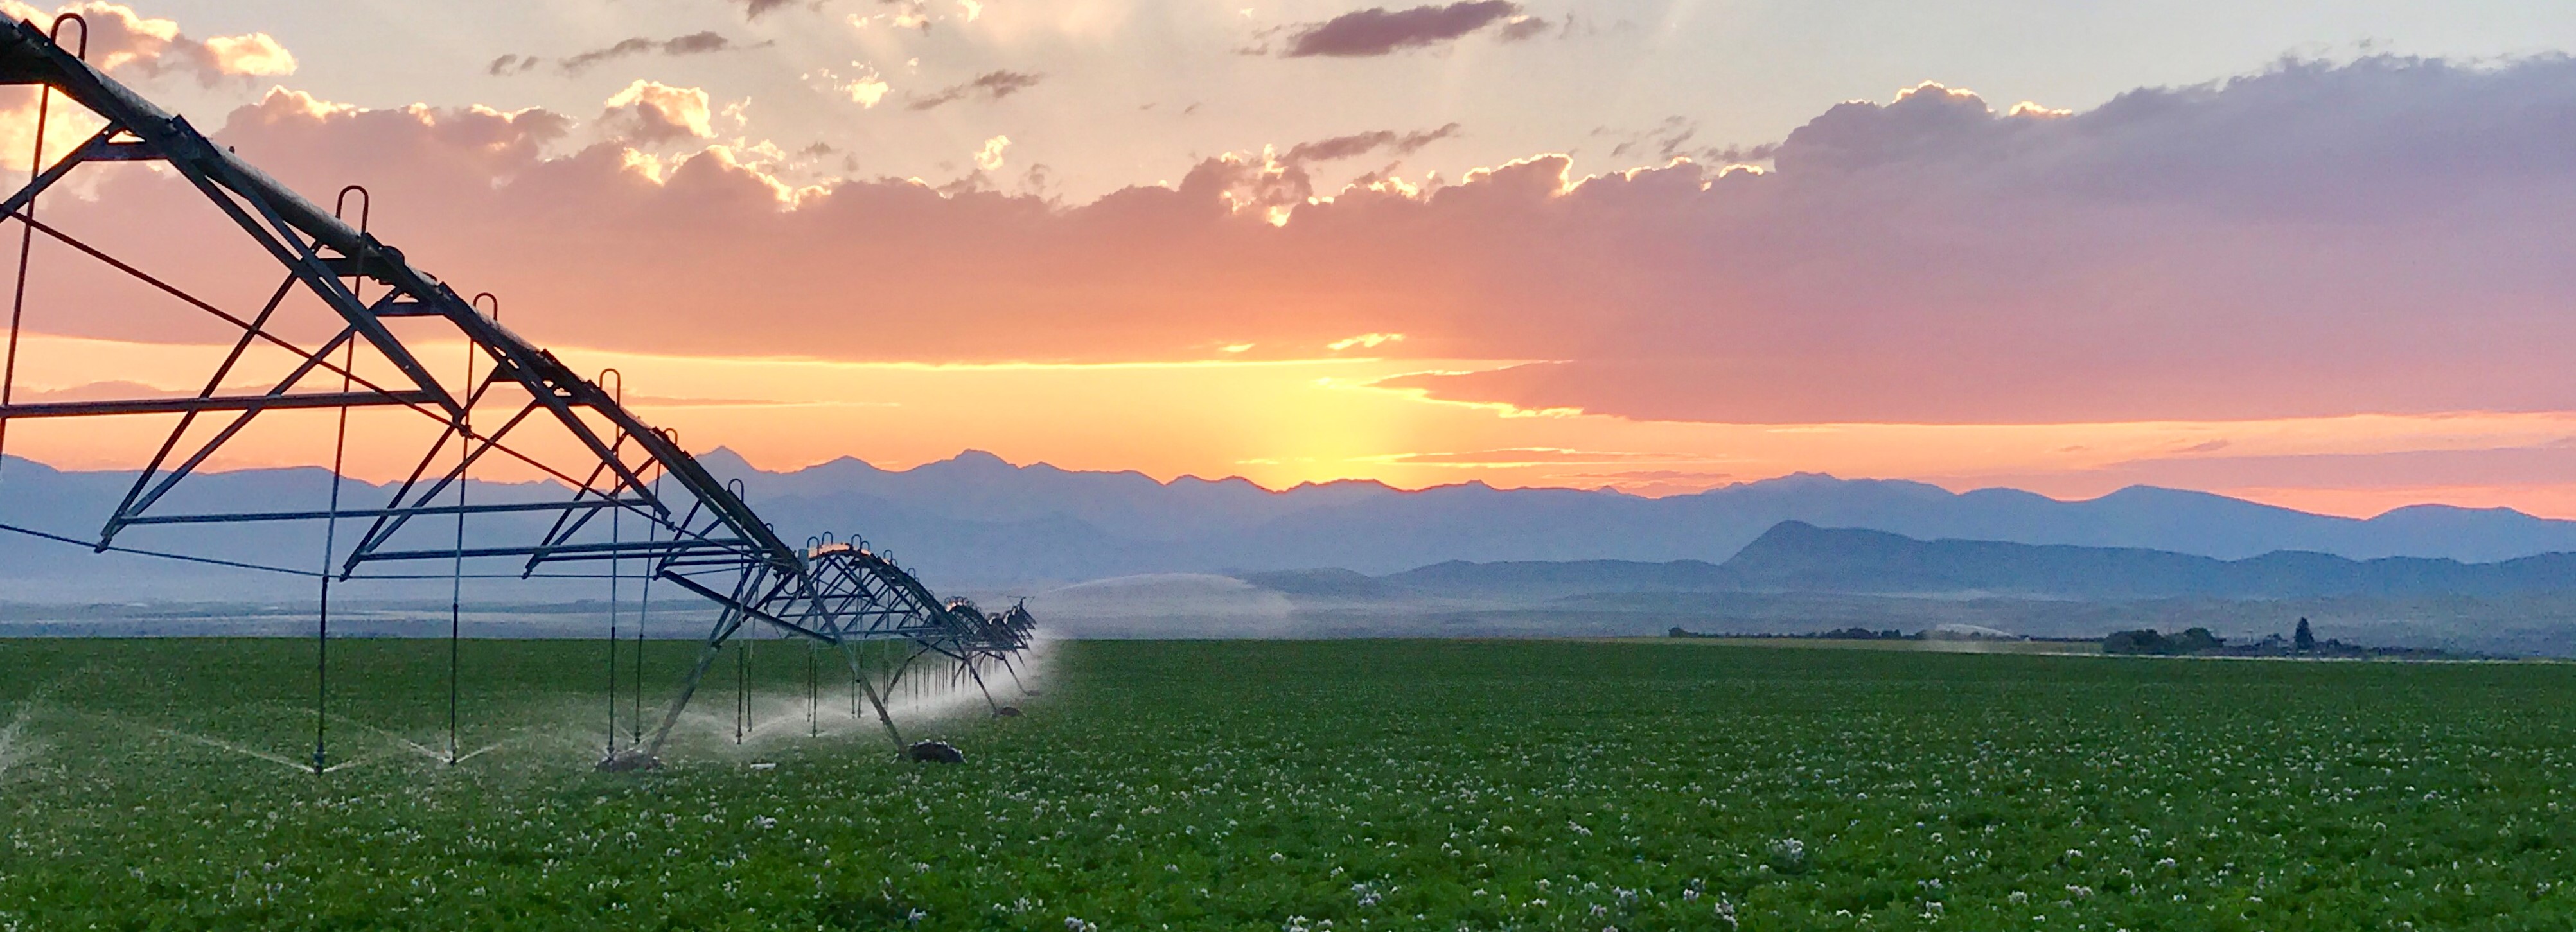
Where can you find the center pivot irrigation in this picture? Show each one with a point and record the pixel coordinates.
(698, 534)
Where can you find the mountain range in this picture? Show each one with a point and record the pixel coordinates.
(1797, 557)
(975, 521)
(978, 516)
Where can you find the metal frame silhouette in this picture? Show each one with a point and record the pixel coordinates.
(701, 535)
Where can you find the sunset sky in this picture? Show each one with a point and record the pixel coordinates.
(2316, 254)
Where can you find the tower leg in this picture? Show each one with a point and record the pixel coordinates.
(638, 758)
(969, 664)
(860, 677)
(1015, 675)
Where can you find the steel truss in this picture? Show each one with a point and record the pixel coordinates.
(700, 533)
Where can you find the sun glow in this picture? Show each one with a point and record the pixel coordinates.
(1283, 422)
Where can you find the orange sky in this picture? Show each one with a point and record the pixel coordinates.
(1283, 422)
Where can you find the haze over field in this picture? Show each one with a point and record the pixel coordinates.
(1123, 555)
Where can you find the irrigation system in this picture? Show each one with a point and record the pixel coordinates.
(635, 498)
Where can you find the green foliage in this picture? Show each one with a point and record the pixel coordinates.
(1280, 785)
(2190, 641)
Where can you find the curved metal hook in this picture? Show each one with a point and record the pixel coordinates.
(366, 204)
(57, 33)
(617, 394)
(477, 304)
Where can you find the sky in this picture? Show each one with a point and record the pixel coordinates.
(2306, 253)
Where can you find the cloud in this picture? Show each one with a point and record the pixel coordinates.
(991, 85)
(912, 14)
(1671, 139)
(2474, 467)
(867, 88)
(650, 112)
(1357, 144)
(1365, 341)
(989, 158)
(2313, 240)
(129, 44)
(253, 54)
(1519, 28)
(755, 9)
(1380, 31)
(1531, 456)
(132, 47)
(507, 65)
(696, 43)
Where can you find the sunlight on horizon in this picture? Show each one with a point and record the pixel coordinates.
(1280, 423)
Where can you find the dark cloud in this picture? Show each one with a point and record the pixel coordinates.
(1669, 140)
(696, 43)
(755, 9)
(1342, 147)
(507, 65)
(1380, 31)
(991, 85)
(635, 46)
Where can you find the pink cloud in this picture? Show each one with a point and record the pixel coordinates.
(2379, 236)
(124, 42)
(651, 112)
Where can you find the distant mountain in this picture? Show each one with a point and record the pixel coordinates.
(75, 505)
(1797, 557)
(1799, 578)
(982, 520)
(975, 521)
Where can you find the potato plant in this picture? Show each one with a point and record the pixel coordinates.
(1344, 785)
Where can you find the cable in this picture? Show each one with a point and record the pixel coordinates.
(76, 542)
(287, 571)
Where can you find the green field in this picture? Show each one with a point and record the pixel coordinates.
(1286, 785)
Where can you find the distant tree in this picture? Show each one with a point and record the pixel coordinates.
(2305, 639)
(2142, 641)
(2195, 640)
